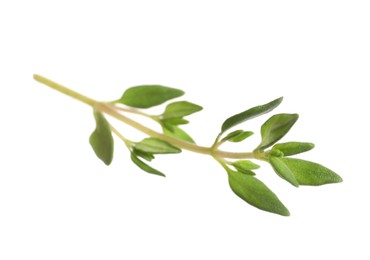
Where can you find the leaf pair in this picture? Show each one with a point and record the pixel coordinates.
(146, 150)
(244, 166)
(146, 96)
(102, 143)
(271, 131)
(174, 115)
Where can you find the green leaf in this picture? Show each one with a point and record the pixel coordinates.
(175, 131)
(237, 136)
(249, 114)
(180, 109)
(256, 193)
(292, 148)
(148, 96)
(276, 153)
(283, 170)
(310, 173)
(144, 155)
(275, 128)
(240, 137)
(101, 139)
(156, 146)
(144, 166)
(231, 135)
(245, 166)
(175, 121)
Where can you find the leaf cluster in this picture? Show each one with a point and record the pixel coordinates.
(143, 97)
(242, 178)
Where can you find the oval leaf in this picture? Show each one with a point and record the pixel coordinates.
(256, 193)
(144, 166)
(231, 135)
(175, 121)
(245, 166)
(249, 114)
(236, 136)
(180, 109)
(148, 95)
(283, 170)
(292, 148)
(156, 146)
(275, 128)
(310, 173)
(175, 131)
(101, 139)
(240, 137)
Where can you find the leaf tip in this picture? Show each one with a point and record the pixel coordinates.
(285, 213)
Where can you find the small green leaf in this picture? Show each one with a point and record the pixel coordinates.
(310, 173)
(144, 155)
(156, 146)
(144, 166)
(237, 136)
(180, 109)
(148, 96)
(292, 148)
(283, 170)
(175, 131)
(249, 114)
(275, 128)
(232, 135)
(256, 193)
(276, 153)
(101, 139)
(240, 137)
(245, 166)
(175, 121)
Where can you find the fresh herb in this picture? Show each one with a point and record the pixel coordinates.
(238, 166)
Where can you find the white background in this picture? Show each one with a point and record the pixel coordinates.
(57, 201)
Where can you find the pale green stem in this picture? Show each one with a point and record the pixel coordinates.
(111, 110)
(128, 110)
(120, 136)
(64, 90)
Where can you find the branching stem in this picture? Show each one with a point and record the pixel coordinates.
(114, 112)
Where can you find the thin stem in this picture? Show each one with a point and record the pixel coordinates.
(128, 110)
(120, 136)
(175, 141)
(64, 90)
(110, 110)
